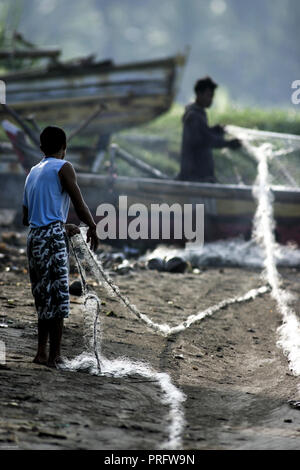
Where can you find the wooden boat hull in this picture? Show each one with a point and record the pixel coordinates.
(229, 209)
(133, 93)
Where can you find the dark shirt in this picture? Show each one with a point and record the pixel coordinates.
(198, 140)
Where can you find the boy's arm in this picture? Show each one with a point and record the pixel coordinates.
(69, 183)
(25, 216)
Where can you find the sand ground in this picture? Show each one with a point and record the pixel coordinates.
(236, 380)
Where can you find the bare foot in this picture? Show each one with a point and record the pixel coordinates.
(40, 359)
(55, 363)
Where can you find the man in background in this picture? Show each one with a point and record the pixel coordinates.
(199, 139)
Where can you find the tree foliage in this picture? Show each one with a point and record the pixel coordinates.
(251, 47)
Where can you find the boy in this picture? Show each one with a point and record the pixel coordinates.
(48, 189)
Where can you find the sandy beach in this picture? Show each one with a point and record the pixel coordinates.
(236, 380)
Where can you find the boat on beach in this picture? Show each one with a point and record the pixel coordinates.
(67, 93)
(229, 209)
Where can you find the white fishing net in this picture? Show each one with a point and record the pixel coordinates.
(283, 161)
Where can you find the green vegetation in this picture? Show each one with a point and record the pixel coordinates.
(10, 38)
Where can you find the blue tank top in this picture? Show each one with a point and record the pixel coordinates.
(44, 196)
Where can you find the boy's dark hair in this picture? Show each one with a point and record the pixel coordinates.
(203, 84)
(52, 139)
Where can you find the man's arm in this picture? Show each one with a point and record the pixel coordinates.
(218, 129)
(69, 183)
(204, 134)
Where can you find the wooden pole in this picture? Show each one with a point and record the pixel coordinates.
(34, 124)
(32, 135)
(31, 54)
(85, 123)
(137, 163)
(98, 160)
(101, 148)
(112, 155)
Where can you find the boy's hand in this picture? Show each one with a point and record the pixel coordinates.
(91, 237)
(72, 230)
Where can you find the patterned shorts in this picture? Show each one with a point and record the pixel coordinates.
(48, 259)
